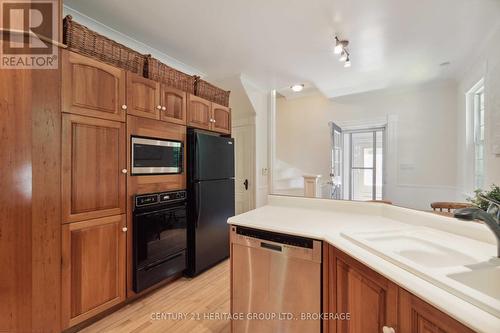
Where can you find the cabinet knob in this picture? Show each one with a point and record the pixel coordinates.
(124, 229)
(163, 108)
(124, 171)
(387, 329)
(159, 107)
(124, 107)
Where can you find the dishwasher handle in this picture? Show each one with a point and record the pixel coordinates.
(271, 246)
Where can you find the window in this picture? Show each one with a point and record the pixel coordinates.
(478, 116)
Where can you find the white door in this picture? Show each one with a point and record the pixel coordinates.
(336, 163)
(244, 161)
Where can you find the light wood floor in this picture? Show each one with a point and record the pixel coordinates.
(207, 293)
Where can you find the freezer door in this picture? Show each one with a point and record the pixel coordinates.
(213, 157)
(214, 204)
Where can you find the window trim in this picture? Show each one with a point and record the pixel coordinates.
(473, 125)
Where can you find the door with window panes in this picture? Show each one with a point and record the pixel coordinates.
(365, 150)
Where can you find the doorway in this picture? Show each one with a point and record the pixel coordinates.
(364, 164)
(244, 167)
(357, 163)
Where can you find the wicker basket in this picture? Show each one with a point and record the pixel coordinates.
(211, 92)
(158, 71)
(81, 39)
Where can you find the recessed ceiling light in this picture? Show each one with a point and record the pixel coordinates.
(297, 87)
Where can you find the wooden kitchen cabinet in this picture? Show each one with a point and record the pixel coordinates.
(373, 302)
(143, 97)
(369, 298)
(208, 115)
(416, 316)
(93, 267)
(199, 112)
(92, 88)
(93, 168)
(174, 105)
(221, 119)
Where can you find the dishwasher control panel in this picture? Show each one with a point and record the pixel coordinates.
(279, 243)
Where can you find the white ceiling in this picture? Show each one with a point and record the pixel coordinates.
(280, 42)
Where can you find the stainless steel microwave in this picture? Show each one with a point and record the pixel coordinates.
(156, 156)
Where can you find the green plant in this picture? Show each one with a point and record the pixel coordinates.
(493, 193)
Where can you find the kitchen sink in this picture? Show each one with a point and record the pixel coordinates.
(465, 267)
(485, 280)
(424, 252)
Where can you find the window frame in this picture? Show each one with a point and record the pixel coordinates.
(477, 105)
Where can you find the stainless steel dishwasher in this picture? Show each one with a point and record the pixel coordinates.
(275, 282)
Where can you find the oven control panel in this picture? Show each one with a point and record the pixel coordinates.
(156, 198)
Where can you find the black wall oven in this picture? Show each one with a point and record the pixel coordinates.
(156, 156)
(159, 241)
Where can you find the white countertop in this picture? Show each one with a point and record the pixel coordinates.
(327, 219)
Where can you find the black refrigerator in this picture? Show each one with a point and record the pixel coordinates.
(210, 172)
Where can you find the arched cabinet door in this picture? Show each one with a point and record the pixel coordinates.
(92, 88)
(174, 105)
(199, 112)
(221, 119)
(143, 97)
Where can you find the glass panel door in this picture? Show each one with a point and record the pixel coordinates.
(336, 163)
(366, 164)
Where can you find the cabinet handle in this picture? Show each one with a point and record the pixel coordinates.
(387, 329)
(124, 229)
(124, 171)
(124, 107)
(159, 107)
(163, 108)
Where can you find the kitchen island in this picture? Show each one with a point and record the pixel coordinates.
(383, 268)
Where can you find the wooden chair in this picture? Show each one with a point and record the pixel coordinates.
(447, 208)
(382, 201)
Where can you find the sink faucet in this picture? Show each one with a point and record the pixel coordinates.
(491, 217)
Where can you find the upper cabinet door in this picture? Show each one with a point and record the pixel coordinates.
(143, 97)
(221, 119)
(371, 299)
(199, 112)
(93, 168)
(92, 88)
(173, 105)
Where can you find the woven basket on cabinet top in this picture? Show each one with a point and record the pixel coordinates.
(210, 92)
(81, 39)
(158, 71)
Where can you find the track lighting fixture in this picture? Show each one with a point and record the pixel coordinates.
(341, 48)
(347, 62)
(343, 56)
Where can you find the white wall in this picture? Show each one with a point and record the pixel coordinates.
(249, 106)
(421, 137)
(104, 30)
(485, 65)
(260, 102)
